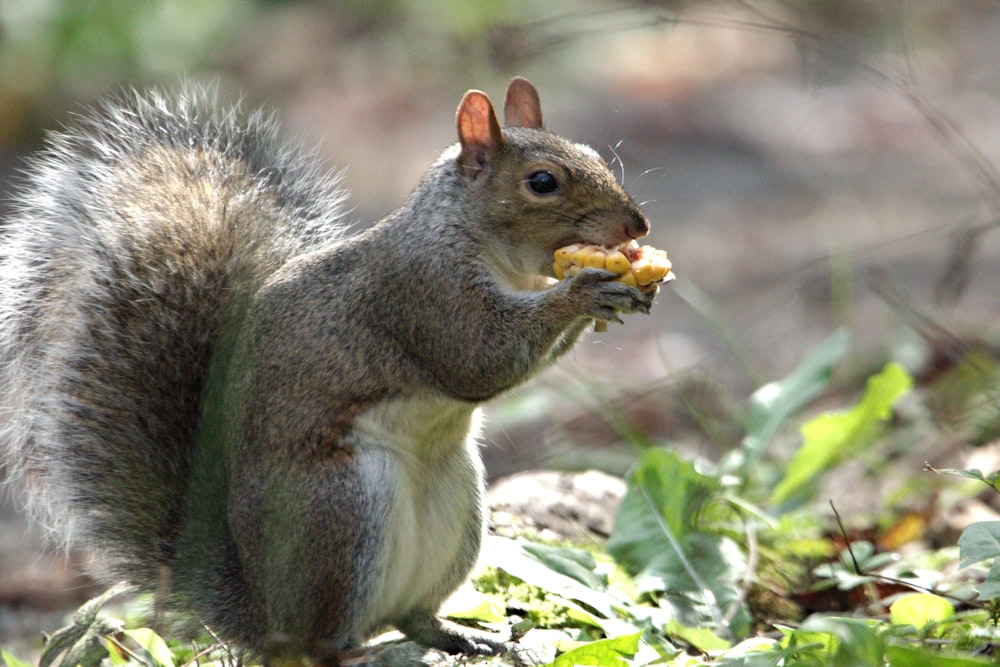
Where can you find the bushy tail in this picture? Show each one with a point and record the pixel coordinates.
(130, 232)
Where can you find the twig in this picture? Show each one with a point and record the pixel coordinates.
(894, 580)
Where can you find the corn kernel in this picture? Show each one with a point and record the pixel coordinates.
(642, 269)
(564, 255)
(617, 262)
(661, 267)
(595, 258)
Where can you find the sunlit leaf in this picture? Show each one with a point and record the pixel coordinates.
(830, 437)
(602, 653)
(702, 639)
(474, 606)
(510, 556)
(912, 656)
(153, 644)
(920, 609)
(859, 643)
(574, 563)
(13, 661)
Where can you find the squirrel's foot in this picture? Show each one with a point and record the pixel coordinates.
(432, 632)
(604, 298)
(429, 630)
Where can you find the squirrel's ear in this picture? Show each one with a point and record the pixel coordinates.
(521, 107)
(478, 133)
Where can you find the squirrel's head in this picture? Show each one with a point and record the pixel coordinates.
(539, 191)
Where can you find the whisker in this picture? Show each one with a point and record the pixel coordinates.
(621, 165)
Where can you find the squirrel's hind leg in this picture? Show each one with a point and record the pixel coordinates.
(426, 628)
(307, 541)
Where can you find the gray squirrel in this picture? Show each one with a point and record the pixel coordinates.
(205, 377)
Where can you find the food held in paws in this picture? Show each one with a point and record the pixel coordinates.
(635, 265)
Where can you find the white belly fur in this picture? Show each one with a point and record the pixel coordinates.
(439, 491)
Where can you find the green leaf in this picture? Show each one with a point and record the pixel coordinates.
(656, 540)
(830, 437)
(117, 655)
(915, 656)
(858, 641)
(511, 557)
(990, 588)
(663, 490)
(991, 480)
(153, 644)
(13, 661)
(920, 609)
(979, 541)
(700, 584)
(602, 653)
(574, 563)
(702, 639)
(775, 402)
(482, 608)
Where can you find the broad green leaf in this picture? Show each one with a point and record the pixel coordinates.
(702, 638)
(13, 661)
(858, 641)
(574, 563)
(602, 653)
(990, 588)
(700, 585)
(577, 613)
(482, 608)
(153, 644)
(656, 540)
(510, 556)
(830, 437)
(751, 646)
(979, 541)
(920, 609)
(664, 492)
(916, 656)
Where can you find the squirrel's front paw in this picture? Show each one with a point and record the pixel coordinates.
(603, 298)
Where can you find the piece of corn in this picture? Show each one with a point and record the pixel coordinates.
(635, 265)
(638, 266)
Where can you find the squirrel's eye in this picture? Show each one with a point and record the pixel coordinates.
(542, 182)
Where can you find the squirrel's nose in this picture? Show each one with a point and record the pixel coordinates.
(638, 226)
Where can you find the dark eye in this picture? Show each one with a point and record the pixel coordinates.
(542, 182)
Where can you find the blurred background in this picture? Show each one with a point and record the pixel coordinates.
(809, 167)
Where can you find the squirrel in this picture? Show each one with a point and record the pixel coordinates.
(205, 374)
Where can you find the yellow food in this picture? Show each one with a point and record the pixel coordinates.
(635, 265)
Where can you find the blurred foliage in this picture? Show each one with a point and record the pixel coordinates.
(54, 48)
(55, 53)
